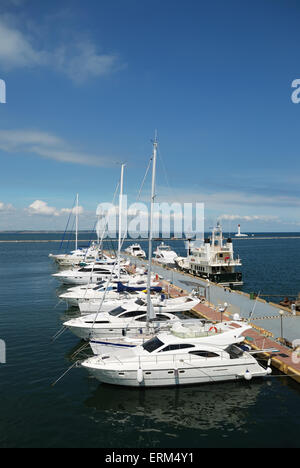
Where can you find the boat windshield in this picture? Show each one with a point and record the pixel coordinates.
(152, 345)
(234, 352)
(117, 311)
(140, 302)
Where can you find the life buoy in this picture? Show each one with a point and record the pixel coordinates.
(213, 328)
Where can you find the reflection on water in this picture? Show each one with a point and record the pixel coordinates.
(204, 407)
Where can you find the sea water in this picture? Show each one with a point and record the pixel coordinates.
(80, 412)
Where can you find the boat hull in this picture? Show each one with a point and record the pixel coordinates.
(168, 377)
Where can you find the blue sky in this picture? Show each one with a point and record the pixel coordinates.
(89, 82)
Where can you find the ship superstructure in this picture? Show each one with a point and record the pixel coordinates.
(213, 260)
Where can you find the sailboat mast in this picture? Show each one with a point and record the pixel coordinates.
(120, 216)
(151, 226)
(76, 226)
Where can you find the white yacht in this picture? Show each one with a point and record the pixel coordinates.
(91, 273)
(163, 254)
(118, 323)
(213, 261)
(160, 304)
(221, 334)
(136, 250)
(112, 289)
(80, 255)
(167, 360)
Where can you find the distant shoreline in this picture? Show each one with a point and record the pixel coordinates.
(45, 241)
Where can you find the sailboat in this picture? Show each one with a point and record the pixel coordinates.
(123, 328)
(114, 323)
(75, 257)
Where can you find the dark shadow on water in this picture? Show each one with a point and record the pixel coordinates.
(204, 407)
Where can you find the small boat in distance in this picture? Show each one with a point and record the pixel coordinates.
(136, 250)
(163, 254)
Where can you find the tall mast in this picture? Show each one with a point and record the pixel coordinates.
(120, 216)
(149, 304)
(76, 226)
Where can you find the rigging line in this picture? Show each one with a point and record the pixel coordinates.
(166, 176)
(69, 239)
(81, 349)
(109, 282)
(101, 241)
(65, 373)
(252, 312)
(58, 334)
(144, 179)
(69, 218)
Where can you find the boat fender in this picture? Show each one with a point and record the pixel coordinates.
(247, 375)
(213, 329)
(269, 371)
(140, 375)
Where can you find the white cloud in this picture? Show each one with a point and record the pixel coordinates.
(228, 217)
(230, 199)
(79, 60)
(48, 146)
(16, 50)
(40, 207)
(73, 210)
(6, 207)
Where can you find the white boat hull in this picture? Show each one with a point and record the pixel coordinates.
(170, 306)
(150, 376)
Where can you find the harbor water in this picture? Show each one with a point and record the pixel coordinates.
(80, 412)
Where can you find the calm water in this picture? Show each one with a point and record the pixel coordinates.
(80, 412)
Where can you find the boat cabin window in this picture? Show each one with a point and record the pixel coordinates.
(140, 302)
(143, 318)
(162, 317)
(175, 347)
(205, 354)
(117, 311)
(133, 313)
(98, 321)
(152, 345)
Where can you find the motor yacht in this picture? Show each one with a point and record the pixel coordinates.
(136, 250)
(91, 273)
(164, 255)
(160, 302)
(221, 334)
(112, 289)
(168, 360)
